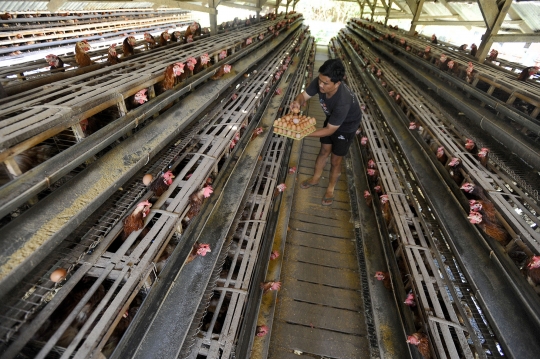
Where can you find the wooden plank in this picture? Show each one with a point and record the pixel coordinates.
(321, 257)
(341, 185)
(323, 317)
(316, 208)
(319, 342)
(322, 294)
(331, 222)
(333, 277)
(340, 245)
(321, 228)
(317, 201)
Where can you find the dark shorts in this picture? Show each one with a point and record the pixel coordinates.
(340, 141)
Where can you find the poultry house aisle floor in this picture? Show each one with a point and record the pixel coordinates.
(319, 307)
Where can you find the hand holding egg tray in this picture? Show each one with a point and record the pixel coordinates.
(294, 126)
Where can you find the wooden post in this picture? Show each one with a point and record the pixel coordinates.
(494, 17)
(416, 16)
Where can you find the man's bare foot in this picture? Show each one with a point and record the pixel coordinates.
(307, 183)
(328, 199)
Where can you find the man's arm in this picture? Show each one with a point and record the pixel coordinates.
(299, 101)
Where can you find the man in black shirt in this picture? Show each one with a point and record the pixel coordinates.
(343, 117)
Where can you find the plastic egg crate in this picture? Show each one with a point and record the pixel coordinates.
(294, 126)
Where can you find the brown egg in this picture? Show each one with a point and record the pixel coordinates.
(296, 121)
(147, 179)
(298, 135)
(58, 275)
(295, 110)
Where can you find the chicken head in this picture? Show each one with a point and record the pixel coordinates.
(454, 162)
(178, 68)
(140, 96)
(475, 217)
(534, 263)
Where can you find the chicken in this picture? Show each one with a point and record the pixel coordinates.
(202, 63)
(412, 126)
(162, 183)
(27, 160)
(224, 69)
(527, 73)
(127, 46)
(136, 100)
(191, 62)
(493, 55)
(261, 330)
(387, 214)
(454, 168)
(441, 156)
(199, 249)
(195, 202)
(65, 309)
(81, 56)
(163, 38)
(368, 198)
(270, 286)
(5, 16)
(135, 221)
(422, 343)
(492, 229)
(248, 41)
(443, 62)
(486, 208)
(364, 141)
(112, 57)
(453, 67)
(427, 53)
(55, 62)
(470, 72)
(194, 30)
(483, 156)
(171, 72)
(371, 164)
(470, 146)
(473, 192)
(434, 39)
(119, 331)
(463, 47)
(256, 132)
(474, 49)
(164, 257)
(385, 277)
(150, 40)
(373, 175)
(533, 270)
(176, 37)
(410, 300)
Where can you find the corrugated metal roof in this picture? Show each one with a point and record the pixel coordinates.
(530, 12)
(436, 9)
(14, 6)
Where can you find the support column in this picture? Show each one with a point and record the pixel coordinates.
(213, 4)
(278, 3)
(387, 11)
(494, 17)
(361, 5)
(416, 16)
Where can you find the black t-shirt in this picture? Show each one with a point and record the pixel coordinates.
(341, 110)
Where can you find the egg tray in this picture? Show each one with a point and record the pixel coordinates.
(306, 132)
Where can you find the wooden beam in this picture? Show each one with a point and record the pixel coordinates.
(516, 38)
(412, 5)
(388, 12)
(228, 3)
(487, 39)
(402, 15)
(416, 16)
(489, 10)
(184, 5)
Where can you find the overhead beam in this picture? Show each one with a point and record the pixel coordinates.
(183, 5)
(489, 10)
(412, 5)
(395, 15)
(462, 23)
(387, 12)
(487, 39)
(54, 5)
(239, 6)
(516, 38)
